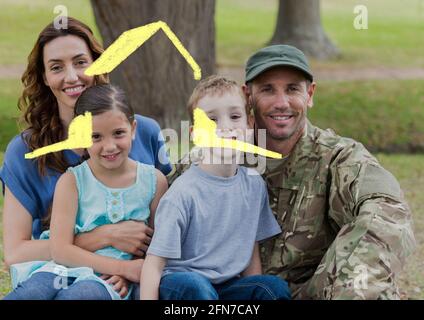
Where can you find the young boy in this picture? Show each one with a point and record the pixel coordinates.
(208, 224)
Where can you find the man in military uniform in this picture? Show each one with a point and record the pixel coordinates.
(346, 226)
(347, 229)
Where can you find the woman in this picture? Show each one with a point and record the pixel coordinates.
(53, 81)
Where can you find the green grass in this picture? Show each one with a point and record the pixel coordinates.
(4, 275)
(242, 26)
(391, 39)
(24, 19)
(384, 115)
(9, 93)
(409, 170)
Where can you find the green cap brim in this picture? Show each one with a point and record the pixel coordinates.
(272, 64)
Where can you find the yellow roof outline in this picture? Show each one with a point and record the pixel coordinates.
(131, 40)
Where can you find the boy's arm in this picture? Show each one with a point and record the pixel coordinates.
(150, 277)
(255, 263)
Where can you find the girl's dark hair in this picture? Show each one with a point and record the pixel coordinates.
(102, 98)
(38, 105)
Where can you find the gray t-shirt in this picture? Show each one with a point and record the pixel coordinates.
(209, 224)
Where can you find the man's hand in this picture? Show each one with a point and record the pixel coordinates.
(120, 284)
(131, 236)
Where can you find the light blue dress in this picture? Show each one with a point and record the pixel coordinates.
(98, 205)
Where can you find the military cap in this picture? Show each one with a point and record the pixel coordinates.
(275, 56)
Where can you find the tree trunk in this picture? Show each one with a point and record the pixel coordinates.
(299, 24)
(156, 77)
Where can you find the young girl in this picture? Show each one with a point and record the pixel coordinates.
(107, 188)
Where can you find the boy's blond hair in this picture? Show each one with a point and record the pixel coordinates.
(213, 85)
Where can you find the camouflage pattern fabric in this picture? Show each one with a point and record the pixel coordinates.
(346, 226)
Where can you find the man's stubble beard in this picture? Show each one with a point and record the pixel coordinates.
(297, 131)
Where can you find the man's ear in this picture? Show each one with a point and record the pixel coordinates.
(134, 129)
(311, 91)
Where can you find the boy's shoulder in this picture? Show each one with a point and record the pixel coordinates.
(182, 193)
(255, 186)
(252, 176)
(188, 177)
(251, 172)
(189, 182)
(183, 185)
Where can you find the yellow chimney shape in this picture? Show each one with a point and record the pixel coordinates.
(204, 135)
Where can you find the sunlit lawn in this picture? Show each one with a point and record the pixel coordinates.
(381, 114)
(393, 38)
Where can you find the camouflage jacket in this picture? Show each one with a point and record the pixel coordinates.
(346, 226)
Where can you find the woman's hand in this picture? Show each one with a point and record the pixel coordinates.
(131, 236)
(131, 269)
(120, 284)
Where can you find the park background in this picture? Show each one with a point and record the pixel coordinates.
(373, 92)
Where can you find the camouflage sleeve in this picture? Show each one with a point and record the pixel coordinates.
(375, 237)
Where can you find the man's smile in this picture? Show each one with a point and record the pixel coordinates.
(281, 118)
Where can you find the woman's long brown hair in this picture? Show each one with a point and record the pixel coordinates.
(40, 113)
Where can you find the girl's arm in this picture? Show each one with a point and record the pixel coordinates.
(17, 232)
(255, 263)
(161, 187)
(63, 249)
(128, 236)
(150, 277)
